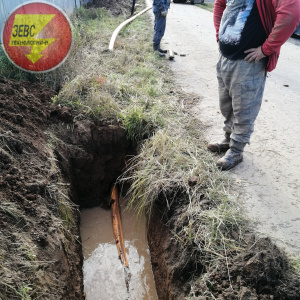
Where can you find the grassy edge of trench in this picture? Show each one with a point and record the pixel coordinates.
(134, 88)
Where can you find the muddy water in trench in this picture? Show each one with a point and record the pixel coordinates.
(104, 275)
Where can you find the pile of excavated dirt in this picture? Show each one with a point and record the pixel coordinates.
(47, 158)
(37, 256)
(260, 272)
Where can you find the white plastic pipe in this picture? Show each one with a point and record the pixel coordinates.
(118, 29)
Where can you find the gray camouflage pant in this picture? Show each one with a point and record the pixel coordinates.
(241, 87)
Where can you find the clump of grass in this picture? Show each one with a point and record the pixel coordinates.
(63, 203)
(16, 282)
(164, 165)
(295, 262)
(9, 70)
(136, 124)
(57, 191)
(88, 97)
(212, 229)
(12, 211)
(24, 291)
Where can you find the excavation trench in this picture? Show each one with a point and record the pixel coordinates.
(50, 158)
(53, 158)
(97, 155)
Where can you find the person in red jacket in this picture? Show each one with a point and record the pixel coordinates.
(250, 34)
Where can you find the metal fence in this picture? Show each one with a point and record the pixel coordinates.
(8, 6)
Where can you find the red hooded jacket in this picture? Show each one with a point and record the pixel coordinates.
(279, 18)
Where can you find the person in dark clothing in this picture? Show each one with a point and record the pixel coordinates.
(160, 10)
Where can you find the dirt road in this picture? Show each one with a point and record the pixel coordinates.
(267, 182)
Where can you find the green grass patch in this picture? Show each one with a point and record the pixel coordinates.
(207, 6)
(9, 70)
(295, 262)
(127, 84)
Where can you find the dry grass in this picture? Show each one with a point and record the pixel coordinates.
(295, 261)
(127, 85)
(163, 171)
(58, 191)
(15, 280)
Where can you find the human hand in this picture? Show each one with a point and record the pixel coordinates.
(164, 13)
(254, 54)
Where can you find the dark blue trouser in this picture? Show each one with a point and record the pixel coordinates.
(159, 25)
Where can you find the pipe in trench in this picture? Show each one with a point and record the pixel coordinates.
(118, 233)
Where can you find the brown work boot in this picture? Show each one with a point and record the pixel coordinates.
(223, 146)
(232, 157)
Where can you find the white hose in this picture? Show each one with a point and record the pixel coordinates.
(118, 29)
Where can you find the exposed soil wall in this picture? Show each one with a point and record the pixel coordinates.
(173, 263)
(38, 256)
(259, 272)
(49, 160)
(91, 157)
